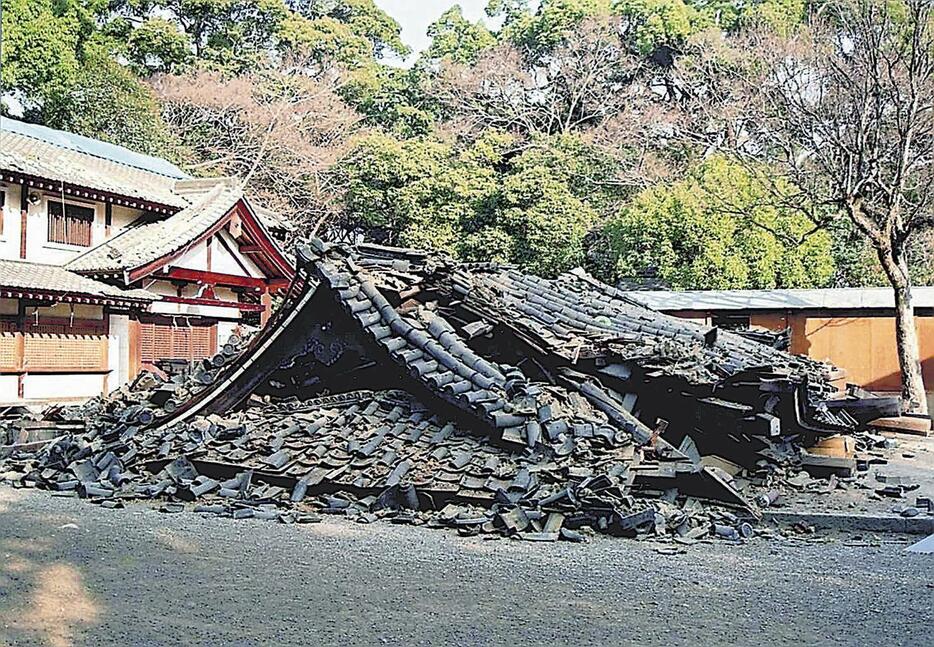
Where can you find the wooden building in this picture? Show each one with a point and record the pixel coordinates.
(112, 261)
(853, 328)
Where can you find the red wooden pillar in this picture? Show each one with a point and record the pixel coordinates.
(266, 300)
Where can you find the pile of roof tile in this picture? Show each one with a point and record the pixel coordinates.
(399, 384)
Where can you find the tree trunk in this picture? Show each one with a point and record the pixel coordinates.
(909, 352)
(906, 333)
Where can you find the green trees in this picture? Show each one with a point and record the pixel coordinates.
(714, 229)
(60, 67)
(480, 203)
(456, 39)
(557, 138)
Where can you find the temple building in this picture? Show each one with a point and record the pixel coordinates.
(112, 262)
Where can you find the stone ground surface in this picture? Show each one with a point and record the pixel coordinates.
(912, 459)
(75, 574)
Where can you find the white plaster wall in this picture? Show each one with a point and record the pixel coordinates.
(9, 389)
(184, 309)
(10, 238)
(222, 261)
(52, 387)
(196, 258)
(187, 310)
(65, 310)
(224, 330)
(38, 247)
(118, 351)
(121, 217)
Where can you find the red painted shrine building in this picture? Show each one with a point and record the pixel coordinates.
(112, 262)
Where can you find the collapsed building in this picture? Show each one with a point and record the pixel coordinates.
(400, 383)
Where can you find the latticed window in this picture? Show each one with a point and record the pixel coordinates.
(165, 341)
(70, 224)
(78, 345)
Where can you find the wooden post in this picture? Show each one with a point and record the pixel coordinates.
(108, 219)
(135, 349)
(20, 348)
(23, 217)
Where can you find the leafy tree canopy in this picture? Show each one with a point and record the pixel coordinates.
(454, 38)
(480, 203)
(715, 230)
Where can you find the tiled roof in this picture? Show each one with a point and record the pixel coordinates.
(837, 298)
(63, 157)
(21, 275)
(141, 244)
(428, 350)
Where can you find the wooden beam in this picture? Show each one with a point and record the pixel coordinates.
(108, 218)
(217, 303)
(214, 278)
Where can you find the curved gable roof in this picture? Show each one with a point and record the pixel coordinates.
(143, 248)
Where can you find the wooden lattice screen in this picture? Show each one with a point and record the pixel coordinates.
(65, 346)
(165, 341)
(8, 344)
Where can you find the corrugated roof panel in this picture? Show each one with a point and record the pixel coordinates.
(95, 147)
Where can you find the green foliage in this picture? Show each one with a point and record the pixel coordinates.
(62, 70)
(660, 22)
(715, 230)
(456, 39)
(43, 46)
(325, 40)
(589, 172)
(158, 45)
(391, 98)
(540, 32)
(107, 102)
(781, 15)
(351, 20)
(476, 203)
(545, 220)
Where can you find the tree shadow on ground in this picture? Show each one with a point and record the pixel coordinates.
(43, 600)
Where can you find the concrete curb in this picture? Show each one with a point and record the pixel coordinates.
(920, 525)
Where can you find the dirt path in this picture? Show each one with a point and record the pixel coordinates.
(72, 573)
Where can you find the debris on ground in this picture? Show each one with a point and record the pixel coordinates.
(394, 384)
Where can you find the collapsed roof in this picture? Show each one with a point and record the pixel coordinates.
(475, 383)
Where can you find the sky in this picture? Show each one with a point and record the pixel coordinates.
(416, 15)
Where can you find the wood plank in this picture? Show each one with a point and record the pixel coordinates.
(903, 425)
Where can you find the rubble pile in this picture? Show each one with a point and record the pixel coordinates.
(393, 383)
(151, 398)
(366, 455)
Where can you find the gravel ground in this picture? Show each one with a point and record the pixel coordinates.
(75, 574)
(917, 467)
